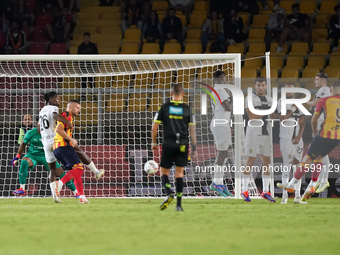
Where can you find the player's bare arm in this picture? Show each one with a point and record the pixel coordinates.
(20, 151)
(314, 103)
(314, 123)
(154, 130)
(192, 131)
(60, 130)
(253, 116)
(288, 115)
(302, 123)
(60, 118)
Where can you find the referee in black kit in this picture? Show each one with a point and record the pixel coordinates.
(177, 119)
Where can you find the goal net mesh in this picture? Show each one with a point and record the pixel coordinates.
(119, 99)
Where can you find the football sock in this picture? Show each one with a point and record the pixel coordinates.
(22, 186)
(316, 171)
(301, 171)
(23, 172)
(69, 184)
(265, 183)
(79, 183)
(179, 190)
(323, 177)
(166, 184)
(285, 177)
(245, 182)
(66, 178)
(93, 168)
(218, 175)
(293, 182)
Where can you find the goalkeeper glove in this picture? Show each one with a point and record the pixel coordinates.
(15, 160)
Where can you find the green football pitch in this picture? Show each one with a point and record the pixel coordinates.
(137, 226)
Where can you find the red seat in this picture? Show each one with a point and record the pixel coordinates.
(31, 5)
(22, 102)
(42, 20)
(25, 83)
(37, 48)
(5, 104)
(58, 48)
(39, 35)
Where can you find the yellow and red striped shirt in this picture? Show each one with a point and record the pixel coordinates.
(331, 125)
(59, 141)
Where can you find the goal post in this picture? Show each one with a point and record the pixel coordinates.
(119, 95)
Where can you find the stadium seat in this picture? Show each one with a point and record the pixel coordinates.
(100, 23)
(22, 103)
(316, 62)
(197, 21)
(287, 5)
(183, 19)
(334, 61)
(295, 63)
(132, 35)
(172, 48)
(253, 63)
(98, 16)
(31, 4)
(256, 35)
(108, 50)
(150, 48)
(299, 48)
(290, 73)
(200, 7)
(89, 107)
(248, 73)
(245, 19)
(236, 48)
(39, 35)
(100, 9)
(332, 72)
(100, 29)
(193, 48)
(193, 35)
(256, 49)
(137, 102)
(57, 48)
(160, 6)
(319, 34)
(156, 102)
(273, 47)
(307, 7)
(327, 6)
(308, 74)
(260, 21)
(274, 73)
(116, 102)
(321, 48)
(42, 20)
(164, 78)
(37, 48)
(321, 20)
(142, 80)
(276, 62)
(129, 48)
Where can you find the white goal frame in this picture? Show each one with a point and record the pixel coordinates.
(235, 58)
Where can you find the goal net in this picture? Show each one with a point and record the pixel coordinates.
(119, 96)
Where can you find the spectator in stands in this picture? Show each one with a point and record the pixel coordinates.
(274, 27)
(2, 42)
(87, 47)
(249, 6)
(183, 6)
(296, 27)
(69, 4)
(265, 5)
(233, 25)
(223, 7)
(59, 29)
(152, 28)
(171, 28)
(21, 13)
(132, 16)
(334, 24)
(212, 30)
(16, 40)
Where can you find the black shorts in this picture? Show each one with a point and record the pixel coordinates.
(67, 156)
(321, 146)
(174, 153)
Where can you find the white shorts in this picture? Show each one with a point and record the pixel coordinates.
(222, 137)
(48, 149)
(258, 144)
(291, 151)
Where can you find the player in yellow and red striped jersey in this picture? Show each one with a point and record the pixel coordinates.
(324, 141)
(64, 151)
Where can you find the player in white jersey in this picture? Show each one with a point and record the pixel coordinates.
(221, 133)
(258, 140)
(321, 82)
(291, 143)
(47, 117)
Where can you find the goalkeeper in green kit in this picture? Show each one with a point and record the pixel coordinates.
(35, 156)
